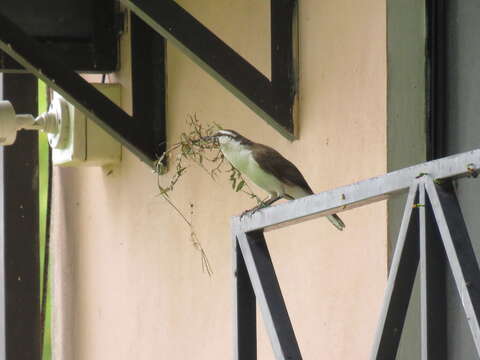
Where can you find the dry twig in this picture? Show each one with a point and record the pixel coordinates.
(193, 148)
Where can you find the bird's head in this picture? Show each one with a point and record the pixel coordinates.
(228, 136)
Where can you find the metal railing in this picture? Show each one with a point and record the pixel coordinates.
(256, 282)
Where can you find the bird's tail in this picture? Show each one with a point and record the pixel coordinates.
(336, 221)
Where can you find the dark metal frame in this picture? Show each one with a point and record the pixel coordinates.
(274, 100)
(19, 253)
(255, 276)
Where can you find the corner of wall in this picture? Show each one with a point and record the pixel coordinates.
(406, 126)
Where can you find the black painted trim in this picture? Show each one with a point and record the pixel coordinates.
(273, 100)
(148, 82)
(284, 76)
(19, 239)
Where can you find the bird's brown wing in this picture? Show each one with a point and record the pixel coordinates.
(274, 163)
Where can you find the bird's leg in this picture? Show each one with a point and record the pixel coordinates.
(262, 205)
(271, 201)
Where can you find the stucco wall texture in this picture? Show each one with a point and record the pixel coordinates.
(128, 284)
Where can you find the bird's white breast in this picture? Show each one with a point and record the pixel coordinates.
(237, 155)
(242, 159)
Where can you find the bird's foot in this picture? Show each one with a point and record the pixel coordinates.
(262, 204)
(253, 210)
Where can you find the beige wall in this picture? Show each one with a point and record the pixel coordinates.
(132, 283)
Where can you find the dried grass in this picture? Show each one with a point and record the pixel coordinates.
(195, 149)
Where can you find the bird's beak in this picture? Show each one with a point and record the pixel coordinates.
(209, 138)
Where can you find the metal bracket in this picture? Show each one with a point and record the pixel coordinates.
(255, 275)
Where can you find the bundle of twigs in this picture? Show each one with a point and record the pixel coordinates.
(196, 148)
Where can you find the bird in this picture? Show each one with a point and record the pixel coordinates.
(267, 169)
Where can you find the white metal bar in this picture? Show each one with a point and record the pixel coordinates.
(423, 273)
(354, 195)
(399, 285)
